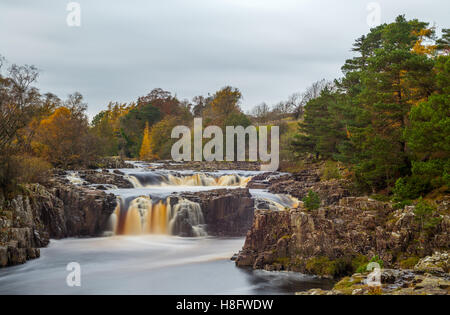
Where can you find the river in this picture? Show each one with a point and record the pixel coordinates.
(148, 265)
(142, 257)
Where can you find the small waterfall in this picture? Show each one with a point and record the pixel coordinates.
(74, 178)
(142, 215)
(187, 219)
(275, 202)
(155, 179)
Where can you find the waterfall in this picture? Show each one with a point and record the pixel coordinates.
(142, 215)
(155, 179)
(187, 219)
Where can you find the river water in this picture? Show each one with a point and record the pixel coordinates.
(148, 265)
(144, 258)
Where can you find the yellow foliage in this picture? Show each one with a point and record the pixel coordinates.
(146, 152)
(421, 49)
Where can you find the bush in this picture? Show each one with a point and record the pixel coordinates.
(33, 170)
(323, 266)
(330, 170)
(359, 263)
(16, 170)
(363, 267)
(411, 188)
(425, 213)
(402, 204)
(312, 201)
(409, 263)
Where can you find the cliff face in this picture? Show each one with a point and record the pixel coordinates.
(354, 226)
(32, 218)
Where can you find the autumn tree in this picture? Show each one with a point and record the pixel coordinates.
(64, 138)
(146, 152)
(160, 137)
(225, 102)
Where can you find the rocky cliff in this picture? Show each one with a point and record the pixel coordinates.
(343, 232)
(29, 220)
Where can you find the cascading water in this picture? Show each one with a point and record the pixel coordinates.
(186, 219)
(159, 179)
(154, 205)
(142, 215)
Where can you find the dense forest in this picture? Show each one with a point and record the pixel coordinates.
(387, 120)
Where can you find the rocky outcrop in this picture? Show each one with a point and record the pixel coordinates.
(298, 185)
(105, 179)
(227, 212)
(355, 226)
(423, 280)
(438, 263)
(209, 166)
(29, 220)
(111, 162)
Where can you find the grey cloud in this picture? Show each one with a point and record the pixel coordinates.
(267, 48)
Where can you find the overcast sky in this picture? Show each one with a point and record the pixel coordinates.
(267, 48)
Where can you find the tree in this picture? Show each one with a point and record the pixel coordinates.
(225, 102)
(19, 100)
(383, 83)
(428, 134)
(146, 152)
(160, 137)
(64, 138)
(133, 124)
(261, 112)
(321, 131)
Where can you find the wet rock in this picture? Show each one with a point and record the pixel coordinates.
(105, 178)
(227, 212)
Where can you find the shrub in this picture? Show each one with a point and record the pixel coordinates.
(363, 266)
(330, 170)
(16, 170)
(359, 263)
(411, 187)
(33, 170)
(321, 266)
(409, 263)
(402, 204)
(312, 201)
(424, 213)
